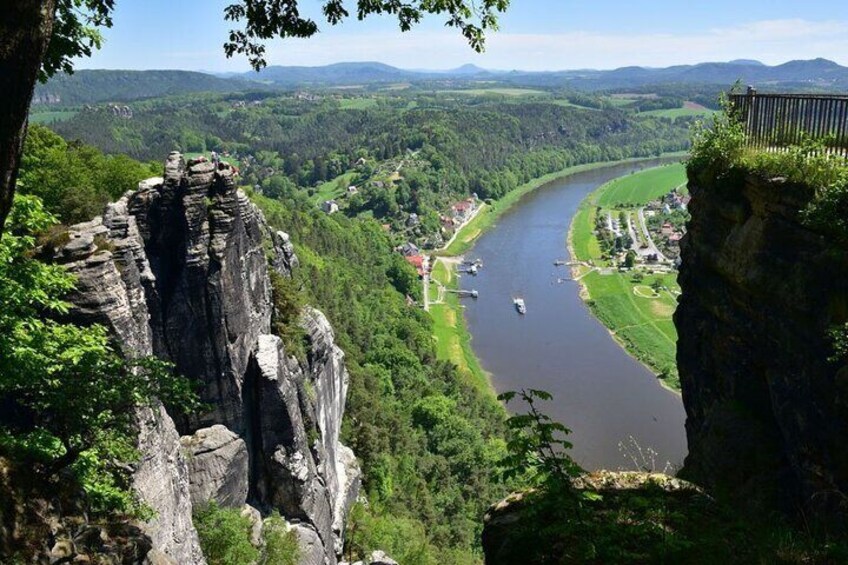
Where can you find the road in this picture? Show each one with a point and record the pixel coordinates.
(652, 248)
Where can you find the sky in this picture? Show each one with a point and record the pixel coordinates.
(534, 35)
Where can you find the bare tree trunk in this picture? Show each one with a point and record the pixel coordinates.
(25, 29)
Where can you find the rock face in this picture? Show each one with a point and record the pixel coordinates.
(180, 269)
(767, 411)
(218, 464)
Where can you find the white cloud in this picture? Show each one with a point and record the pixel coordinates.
(772, 41)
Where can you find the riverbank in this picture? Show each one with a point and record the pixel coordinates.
(453, 340)
(465, 237)
(635, 306)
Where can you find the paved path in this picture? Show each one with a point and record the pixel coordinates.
(652, 248)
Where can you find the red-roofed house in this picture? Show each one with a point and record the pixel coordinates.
(416, 261)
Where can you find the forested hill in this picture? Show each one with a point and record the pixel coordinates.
(407, 155)
(92, 86)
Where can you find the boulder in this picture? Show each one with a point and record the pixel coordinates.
(218, 466)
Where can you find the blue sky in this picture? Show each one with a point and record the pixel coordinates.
(534, 35)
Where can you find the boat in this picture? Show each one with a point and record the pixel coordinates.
(559, 263)
(519, 305)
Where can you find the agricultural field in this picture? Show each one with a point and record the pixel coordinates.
(48, 117)
(494, 90)
(674, 113)
(636, 305)
(642, 187)
(357, 103)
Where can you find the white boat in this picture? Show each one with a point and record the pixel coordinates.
(519, 305)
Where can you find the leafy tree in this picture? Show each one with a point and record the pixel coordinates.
(74, 180)
(225, 535)
(281, 545)
(537, 448)
(630, 259)
(68, 396)
(42, 37)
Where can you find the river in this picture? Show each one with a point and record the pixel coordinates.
(620, 416)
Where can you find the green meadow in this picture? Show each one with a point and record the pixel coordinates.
(639, 317)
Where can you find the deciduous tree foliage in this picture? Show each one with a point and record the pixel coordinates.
(67, 396)
(41, 37)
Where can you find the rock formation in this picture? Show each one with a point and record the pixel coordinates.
(767, 410)
(180, 269)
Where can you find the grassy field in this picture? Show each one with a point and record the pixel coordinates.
(642, 187)
(501, 91)
(638, 317)
(357, 103)
(675, 113)
(51, 116)
(334, 188)
(453, 342)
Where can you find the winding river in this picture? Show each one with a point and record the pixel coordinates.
(620, 416)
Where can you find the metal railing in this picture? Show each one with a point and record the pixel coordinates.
(778, 121)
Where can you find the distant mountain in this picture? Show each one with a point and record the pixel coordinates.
(336, 74)
(751, 62)
(816, 73)
(87, 87)
(93, 86)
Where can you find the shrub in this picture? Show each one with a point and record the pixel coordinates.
(225, 535)
(281, 545)
(68, 394)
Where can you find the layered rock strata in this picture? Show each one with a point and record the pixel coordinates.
(180, 269)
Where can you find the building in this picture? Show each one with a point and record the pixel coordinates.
(416, 261)
(330, 206)
(412, 220)
(667, 229)
(463, 209)
(409, 249)
(351, 190)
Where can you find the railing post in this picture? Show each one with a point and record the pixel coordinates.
(751, 114)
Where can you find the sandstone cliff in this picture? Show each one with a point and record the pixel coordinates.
(767, 411)
(180, 269)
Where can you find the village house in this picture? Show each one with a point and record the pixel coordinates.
(667, 229)
(409, 249)
(412, 220)
(674, 239)
(351, 190)
(330, 206)
(463, 209)
(416, 261)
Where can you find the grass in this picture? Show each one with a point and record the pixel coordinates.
(569, 104)
(453, 341)
(357, 103)
(334, 188)
(642, 187)
(639, 318)
(674, 113)
(51, 116)
(501, 91)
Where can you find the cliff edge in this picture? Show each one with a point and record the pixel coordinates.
(767, 407)
(180, 269)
